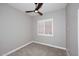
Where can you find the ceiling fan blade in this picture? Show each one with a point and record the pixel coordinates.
(39, 6)
(28, 11)
(40, 13)
(36, 4)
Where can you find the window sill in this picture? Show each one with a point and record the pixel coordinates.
(45, 35)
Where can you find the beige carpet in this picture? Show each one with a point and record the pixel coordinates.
(34, 49)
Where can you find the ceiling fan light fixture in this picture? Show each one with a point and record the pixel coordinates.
(36, 11)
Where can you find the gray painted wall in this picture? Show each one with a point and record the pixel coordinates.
(15, 28)
(59, 25)
(72, 26)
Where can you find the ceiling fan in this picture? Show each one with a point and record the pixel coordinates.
(38, 6)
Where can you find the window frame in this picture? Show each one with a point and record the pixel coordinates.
(44, 20)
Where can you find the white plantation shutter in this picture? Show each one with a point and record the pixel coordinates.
(48, 27)
(45, 27)
(41, 27)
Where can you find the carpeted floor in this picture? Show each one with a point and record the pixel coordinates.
(35, 49)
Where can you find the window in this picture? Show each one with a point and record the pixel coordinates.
(45, 27)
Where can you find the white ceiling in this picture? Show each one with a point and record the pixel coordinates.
(47, 7)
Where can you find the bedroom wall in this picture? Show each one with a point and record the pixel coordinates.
(59, 28)
(15, 28)
(72, 28)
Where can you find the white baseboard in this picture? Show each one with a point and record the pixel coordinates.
(50, 45)
(67, 52)
(6, 54)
